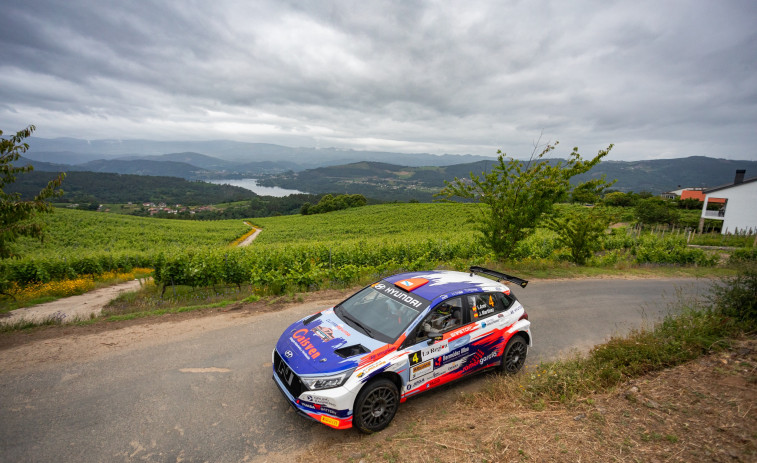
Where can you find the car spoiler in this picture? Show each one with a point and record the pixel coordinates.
(499, 276)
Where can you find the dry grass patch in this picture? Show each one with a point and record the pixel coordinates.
(701, 411)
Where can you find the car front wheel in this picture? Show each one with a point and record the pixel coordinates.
(375, 406)
(514, 356)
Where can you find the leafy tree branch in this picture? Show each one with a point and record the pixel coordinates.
(17, 216)
(514, 196)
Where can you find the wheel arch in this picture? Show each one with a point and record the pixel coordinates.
(391, 376)
(524, 334)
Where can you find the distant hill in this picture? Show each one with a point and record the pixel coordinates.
(84, 187)
(661, 175)
(386, 181)
(47, 150)
(134, 167)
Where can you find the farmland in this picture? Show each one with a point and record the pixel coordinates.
(301, 253)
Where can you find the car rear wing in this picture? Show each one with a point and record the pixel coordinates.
(499, 275)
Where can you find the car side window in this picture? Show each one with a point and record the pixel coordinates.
(484, 304)
(506, 300)
(446, 316)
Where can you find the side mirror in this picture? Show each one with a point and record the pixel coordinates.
(434, 336)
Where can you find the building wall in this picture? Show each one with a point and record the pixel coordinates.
(741, 209)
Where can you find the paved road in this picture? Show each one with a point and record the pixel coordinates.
(210, 397)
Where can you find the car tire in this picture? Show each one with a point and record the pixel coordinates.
(375, 406)
(514, 356)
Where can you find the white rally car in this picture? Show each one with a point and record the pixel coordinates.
(353, 364)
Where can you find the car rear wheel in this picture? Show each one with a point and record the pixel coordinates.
(514, 356)
(375, 406)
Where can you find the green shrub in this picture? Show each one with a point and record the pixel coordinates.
(736, 297)
(671, 250)
(740, 256)
(656, 210)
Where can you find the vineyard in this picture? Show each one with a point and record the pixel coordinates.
(89, 243)
(305, 252)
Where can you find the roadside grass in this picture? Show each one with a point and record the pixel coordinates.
(678, 338)
(150, 300)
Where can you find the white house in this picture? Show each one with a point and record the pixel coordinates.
(740, 210)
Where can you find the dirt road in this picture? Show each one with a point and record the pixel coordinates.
(71, 308)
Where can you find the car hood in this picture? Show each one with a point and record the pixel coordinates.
(324, 345)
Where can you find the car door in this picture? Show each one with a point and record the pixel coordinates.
(489, 312)
(429, 344)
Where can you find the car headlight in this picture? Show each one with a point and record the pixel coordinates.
(326, 382)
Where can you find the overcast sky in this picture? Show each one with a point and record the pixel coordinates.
(659, 79)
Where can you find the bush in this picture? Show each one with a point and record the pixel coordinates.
(656, 210)
(618, 198)
(736, 297)
(673, 250)
(581, 233)
(741, 256)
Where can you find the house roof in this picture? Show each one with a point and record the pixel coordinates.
(730, 185)
(699, 196)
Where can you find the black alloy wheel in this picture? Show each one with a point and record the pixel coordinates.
(375, 406)
(514, 356)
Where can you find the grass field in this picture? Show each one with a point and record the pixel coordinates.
(71, 232)
(386, 223)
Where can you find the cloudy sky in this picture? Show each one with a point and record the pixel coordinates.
(659, 79)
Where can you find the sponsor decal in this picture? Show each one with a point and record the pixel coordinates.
(421, 369)
(325, 333)
(399, 295)
(473, 362)
(429, 352)
(461, 331)
(416, 383)
(344, 332)
(377, 354)
(485, 359)
(320, 400)
(507, 291)
(412, 283)
(454, 354)
(301, 338)
(486, 311)
(478, 359)
(371, 368)
(319, 408)
(330, 421)
(435, 349)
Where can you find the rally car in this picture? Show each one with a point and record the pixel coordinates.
(353, 364)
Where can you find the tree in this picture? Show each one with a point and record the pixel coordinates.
(656, 210)
(618, 198)
(514, 196)
(580, 232)
(17, 216)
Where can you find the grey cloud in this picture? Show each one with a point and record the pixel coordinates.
(418, 76)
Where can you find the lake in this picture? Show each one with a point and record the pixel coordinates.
(252, 185)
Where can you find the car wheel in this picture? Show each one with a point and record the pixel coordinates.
(375, 406)
(514, 356)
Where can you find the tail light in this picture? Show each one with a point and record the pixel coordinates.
(524, 316)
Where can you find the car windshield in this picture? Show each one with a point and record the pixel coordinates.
(376, 314)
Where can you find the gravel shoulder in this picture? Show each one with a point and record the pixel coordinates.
(81, 307)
